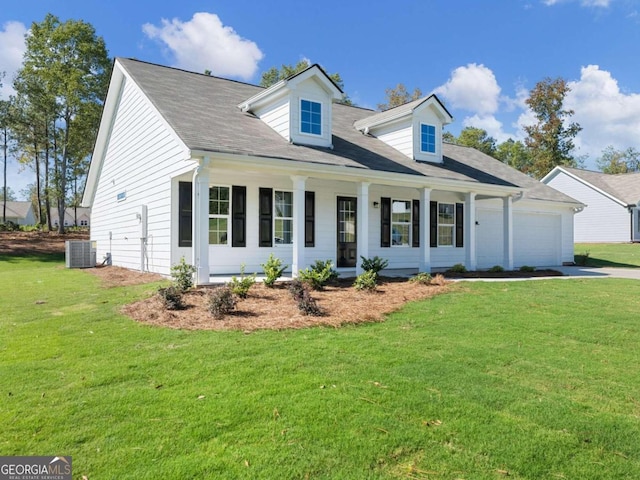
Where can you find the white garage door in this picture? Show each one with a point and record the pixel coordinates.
(536, 239)
(489, 238)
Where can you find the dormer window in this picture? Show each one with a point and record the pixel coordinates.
(427, 138)
(310, 117)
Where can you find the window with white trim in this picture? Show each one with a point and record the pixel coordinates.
(401, 223)
(310, 117)
(446, 224)
(427, 138)
(282, 217)
(219, 208)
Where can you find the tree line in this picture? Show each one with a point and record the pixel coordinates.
(51, 122)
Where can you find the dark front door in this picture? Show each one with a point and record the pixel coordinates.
(347, 227)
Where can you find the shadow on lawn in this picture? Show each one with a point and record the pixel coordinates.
(40, 257)
(587, 261)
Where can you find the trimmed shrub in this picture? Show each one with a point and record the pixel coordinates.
(458, 268)
(367, 281)
(272, 269)
(496, 269)
(306, 303)
(374, 264)
(319, 274)
(527, 268)
(171, 298)
(422, 278)
(182, 275)
(221, 302)
(240, 286)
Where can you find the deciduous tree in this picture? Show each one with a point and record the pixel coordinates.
(619, 161)
(274, 75)
(65, 63)
(399, 96)
(550, 139)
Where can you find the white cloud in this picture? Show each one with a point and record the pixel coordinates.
(584, 3)
(473, 88)
(205, 43)
(11, 53)
(607, 115)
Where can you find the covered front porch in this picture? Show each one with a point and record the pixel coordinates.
(417, 224)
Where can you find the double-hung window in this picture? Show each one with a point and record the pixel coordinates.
(310, 117)
(427, 138)
(446, 224)
(401, 222)
(283, 217)
(219, 208)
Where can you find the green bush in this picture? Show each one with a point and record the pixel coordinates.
(221, 302)
(273, 270)
(582, 259)
(366, 281)
(423, 278)
(182, 275)
(9, 226)
(527, 268)
(319, 274)
(171, 298)
(374, 264)
(306, 303)
(496, 269)
(458, 268)
(240, 286)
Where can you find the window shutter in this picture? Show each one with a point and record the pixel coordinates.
(266, 217)
(415, 223)
(238, 216)
(433, 224)
(385, 222)
(185, 214)
(459, 224)
(309, 219)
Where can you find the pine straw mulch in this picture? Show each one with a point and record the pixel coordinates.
(36, 243)
(275, 309)
(111, 276)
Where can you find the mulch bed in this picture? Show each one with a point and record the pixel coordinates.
(275, 309)
(36, 243)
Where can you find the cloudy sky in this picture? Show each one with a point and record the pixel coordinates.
(480, 57)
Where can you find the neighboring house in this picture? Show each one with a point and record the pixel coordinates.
(224, 173)
(20, 213)
(611, 212)
(73, 217)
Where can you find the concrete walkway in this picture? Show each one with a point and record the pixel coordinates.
(569, 273)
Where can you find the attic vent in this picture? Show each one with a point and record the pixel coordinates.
(80, 254)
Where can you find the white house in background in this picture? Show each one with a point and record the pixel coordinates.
(73, 217)
(224, 173)
(612, 202)
(20, 213)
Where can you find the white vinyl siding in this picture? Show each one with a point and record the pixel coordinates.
(138, 137)
(399, 137)
(277, 117)
(602, 220)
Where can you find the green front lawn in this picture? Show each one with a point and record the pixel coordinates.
(624, 255)
(532, 380)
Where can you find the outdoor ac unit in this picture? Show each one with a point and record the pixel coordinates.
(80, 254)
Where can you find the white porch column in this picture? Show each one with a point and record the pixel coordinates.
(507, 242)
(362, 219)
(470, 231)
(200, 223)
(425, 231)
(298, 262)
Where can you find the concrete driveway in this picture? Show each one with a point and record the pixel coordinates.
(605, 272)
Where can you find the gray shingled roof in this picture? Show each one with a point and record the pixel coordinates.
(203, 112)
(624, 186)
(16, 209)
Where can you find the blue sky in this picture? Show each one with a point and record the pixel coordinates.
(480, 57)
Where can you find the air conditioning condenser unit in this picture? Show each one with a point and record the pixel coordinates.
(80, 254)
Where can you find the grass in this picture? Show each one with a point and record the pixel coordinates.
(526, 379)
(623, 255)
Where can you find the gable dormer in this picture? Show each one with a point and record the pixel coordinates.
(299, 108)
(414, 129)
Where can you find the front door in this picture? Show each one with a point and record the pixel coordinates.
(347, 254)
